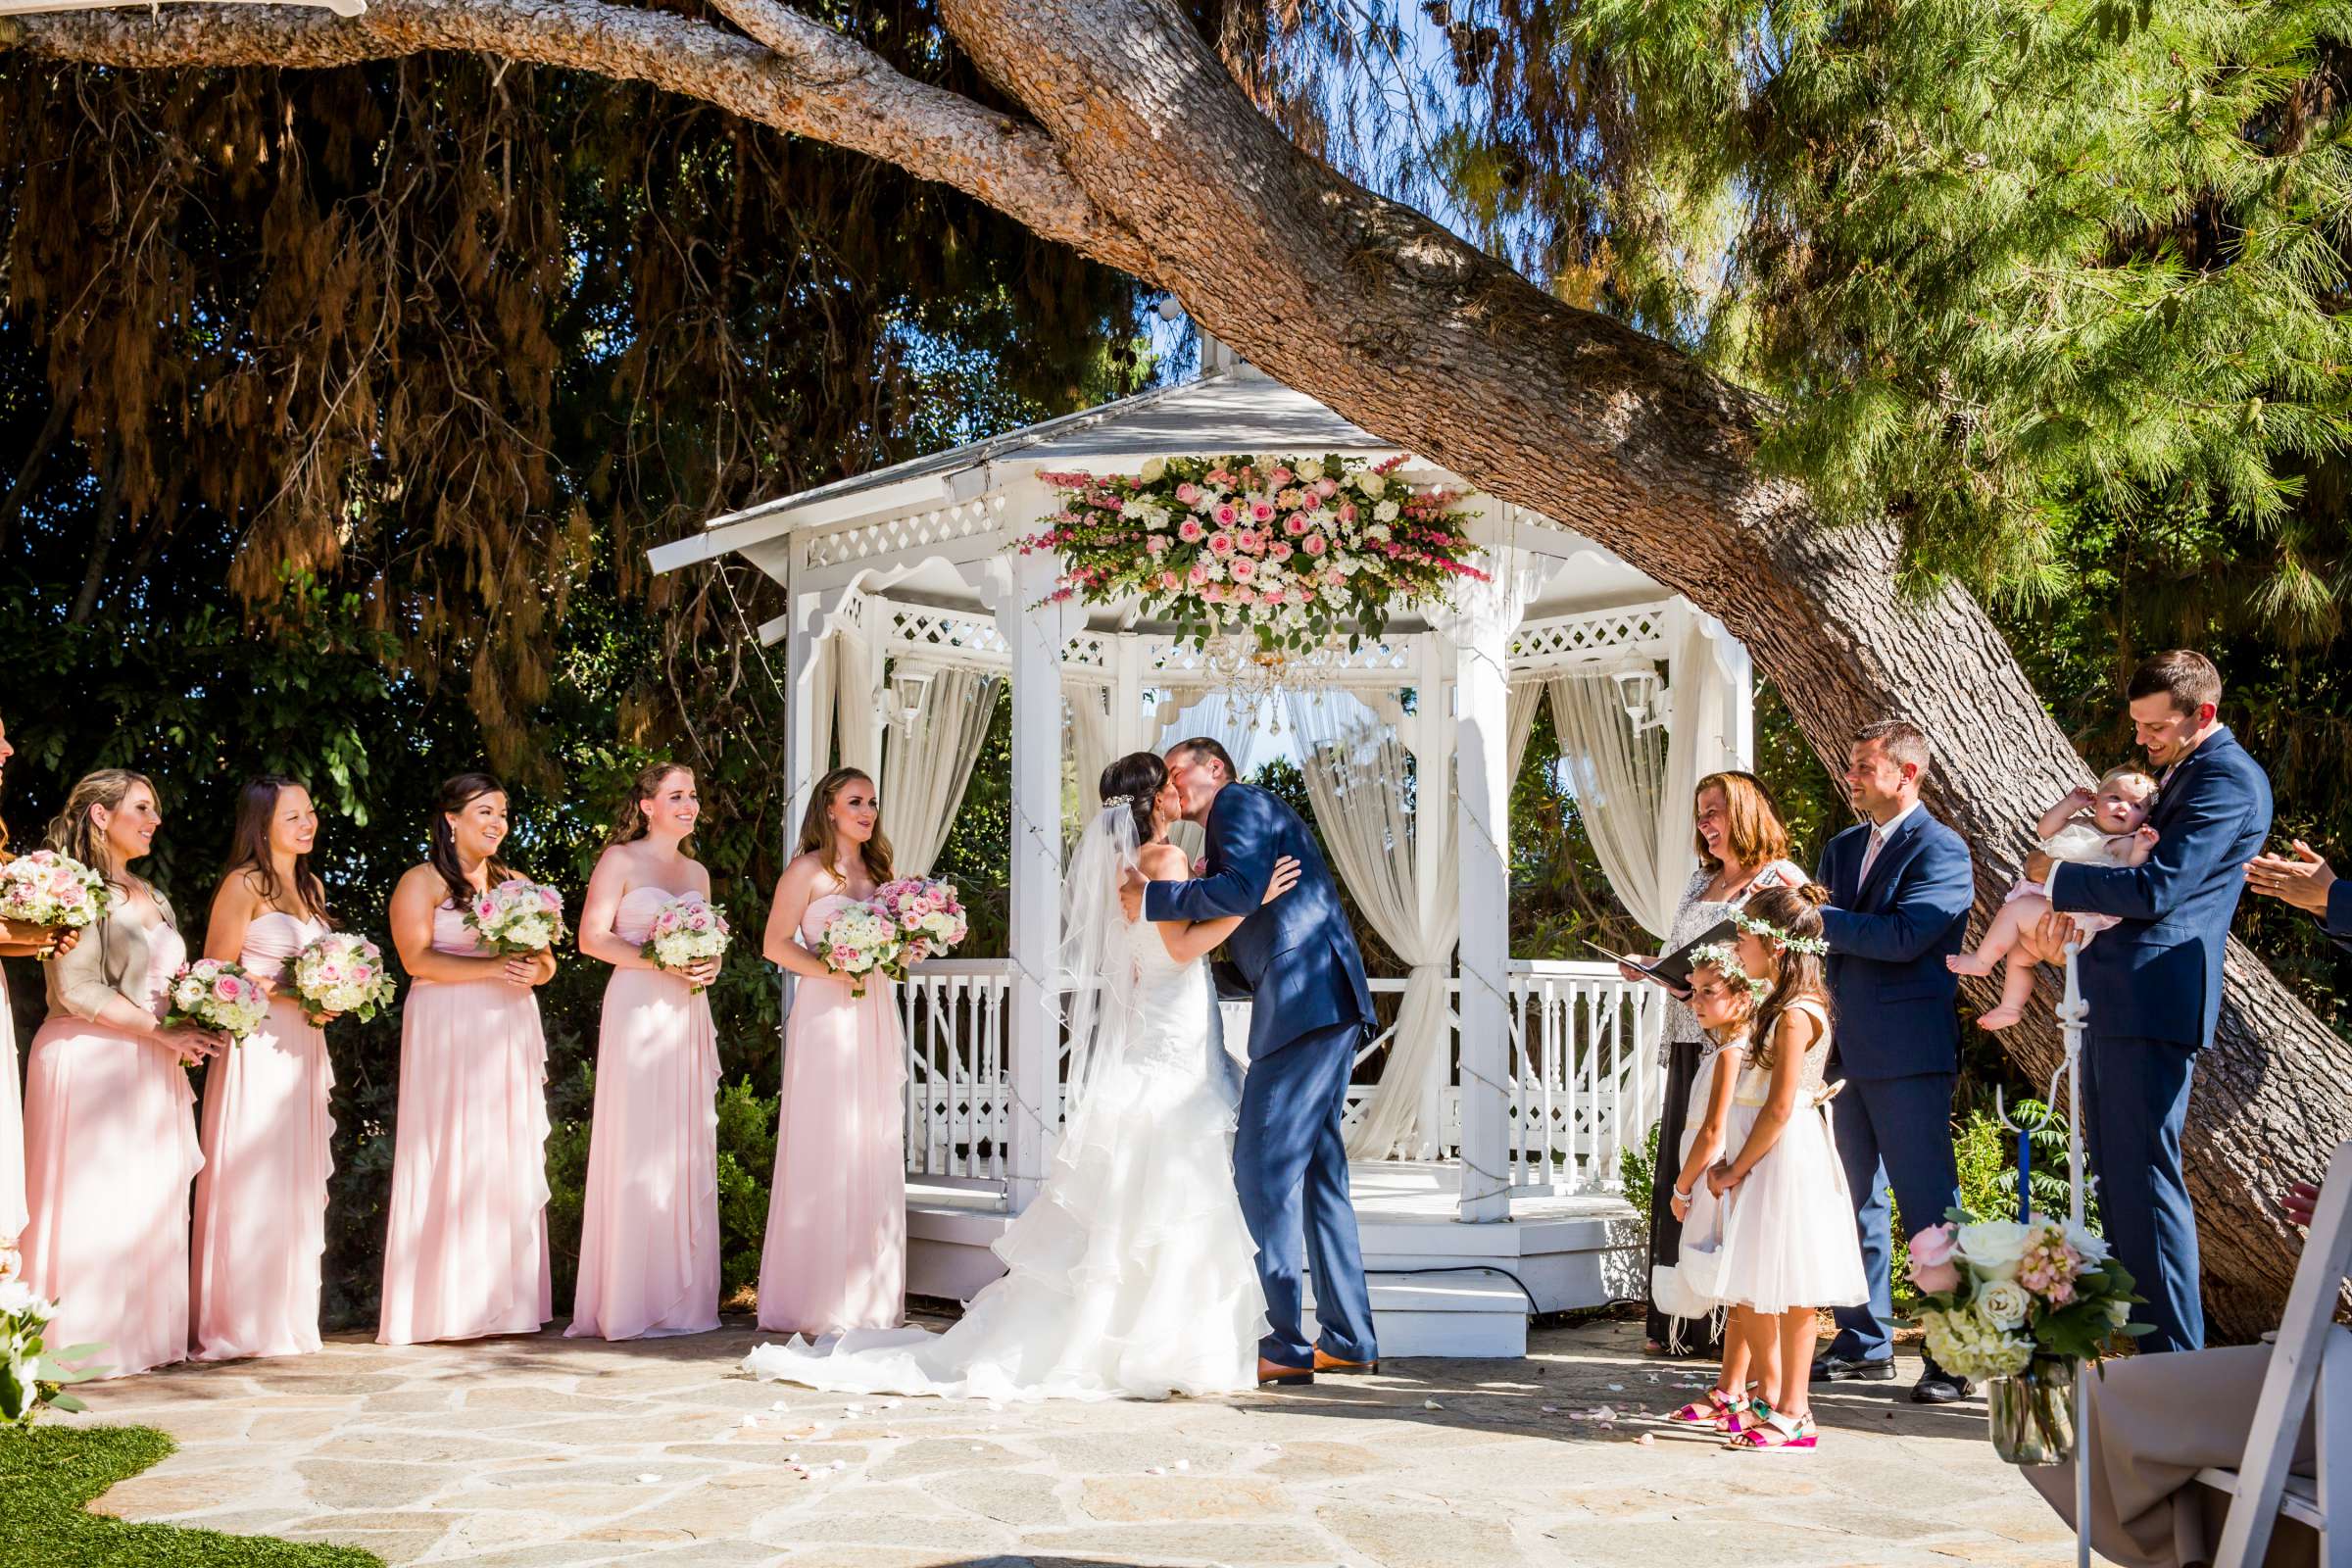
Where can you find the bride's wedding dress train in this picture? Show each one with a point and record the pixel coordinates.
(1132, 1275)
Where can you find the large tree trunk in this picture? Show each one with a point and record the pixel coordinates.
(1147, 155)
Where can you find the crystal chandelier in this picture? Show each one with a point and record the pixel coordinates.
(1257, 678)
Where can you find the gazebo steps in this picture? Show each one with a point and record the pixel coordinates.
(1439, 1288)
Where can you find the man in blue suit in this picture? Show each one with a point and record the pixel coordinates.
(1312, 1008)
(2307, 881)
(2153, 982)
(1900, 888)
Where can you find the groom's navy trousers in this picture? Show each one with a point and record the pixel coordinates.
(1310, 1009)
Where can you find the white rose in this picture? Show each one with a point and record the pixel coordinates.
(1156, 518)
(1153, 470)
(2004, 1305)
(1994, 1246)
(16, 1296)
(1370, 483)
(1386, 512)
(1378, 533)
(2090, 1246)
(1310, 469)
(2119, 1313)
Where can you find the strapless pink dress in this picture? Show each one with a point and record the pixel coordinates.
(12, 1127)
(835, 1255)
(269, 1148)
(465, 1248)
(110, 1147)
(649, 1239)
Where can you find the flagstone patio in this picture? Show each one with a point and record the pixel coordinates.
(539, 1451)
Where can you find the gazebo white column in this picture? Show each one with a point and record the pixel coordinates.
(1032, 1030)
(1428, 733)
(1478, 632)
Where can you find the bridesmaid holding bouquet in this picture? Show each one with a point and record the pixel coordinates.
(835, 1255)
(261, 1199)
(648, 1241)
(109, 1126)
(465, 1250)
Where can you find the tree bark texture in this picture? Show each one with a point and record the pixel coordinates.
(1144, 154)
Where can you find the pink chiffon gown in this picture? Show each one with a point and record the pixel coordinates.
(835, 1253)
(648, 1241)
(466, 1248)
(110, 1147)
(12, 1213)
(269, 1148)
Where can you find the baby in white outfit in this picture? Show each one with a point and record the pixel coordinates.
(2103, 826)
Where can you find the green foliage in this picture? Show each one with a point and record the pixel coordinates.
(1638, 1169)
(49, 1473)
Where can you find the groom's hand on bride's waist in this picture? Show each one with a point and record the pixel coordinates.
(1131, 892)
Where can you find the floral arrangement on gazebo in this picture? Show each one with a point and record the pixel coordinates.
(1295, 552)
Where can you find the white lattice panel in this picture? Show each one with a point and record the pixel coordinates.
(1589, 635)
(896, 535)
(917, 629)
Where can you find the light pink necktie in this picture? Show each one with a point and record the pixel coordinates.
(1870, 857)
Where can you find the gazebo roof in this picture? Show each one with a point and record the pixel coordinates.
(1236, 410)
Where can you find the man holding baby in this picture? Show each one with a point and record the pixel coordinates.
(2153, 977)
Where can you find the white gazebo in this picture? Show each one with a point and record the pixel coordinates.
(1488, 1119)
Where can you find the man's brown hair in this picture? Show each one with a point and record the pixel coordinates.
(1902, 740)
(1204, 746)
(2182, 674)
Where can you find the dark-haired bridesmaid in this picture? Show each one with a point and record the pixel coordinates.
(261, 1199)
(649, 1236)
(465, 1250)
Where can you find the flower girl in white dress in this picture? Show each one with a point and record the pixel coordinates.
(1132, 1274)
(1789, 1246)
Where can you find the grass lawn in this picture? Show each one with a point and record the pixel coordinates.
(49, 1473)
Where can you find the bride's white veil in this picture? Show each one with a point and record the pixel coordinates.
(1095, 972)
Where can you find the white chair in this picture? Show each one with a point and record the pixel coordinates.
(2311, 1370)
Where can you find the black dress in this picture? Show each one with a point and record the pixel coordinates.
(1696, 1336)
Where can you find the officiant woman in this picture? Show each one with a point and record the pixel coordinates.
(1743, 849)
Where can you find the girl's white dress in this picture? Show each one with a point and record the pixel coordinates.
(1788, 1235)
(1689, 1294)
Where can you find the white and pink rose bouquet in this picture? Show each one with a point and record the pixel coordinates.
(686, 930)
(1293, 550)
(857, 941)
(929, 918)
(342, 973)
(2003, 1292)
(46, 888)
(517, 917)
(215, 994)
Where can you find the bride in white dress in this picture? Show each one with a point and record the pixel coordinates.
(1132, 1275)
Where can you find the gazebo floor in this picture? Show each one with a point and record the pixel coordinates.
(1438, 1287)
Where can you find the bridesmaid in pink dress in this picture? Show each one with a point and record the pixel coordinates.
(109, 1126)
(261, 1199)
(465, 1248)
(16, 941)
(649, 1242)
(835, 1255)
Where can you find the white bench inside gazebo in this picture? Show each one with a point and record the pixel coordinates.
(1489, 1119)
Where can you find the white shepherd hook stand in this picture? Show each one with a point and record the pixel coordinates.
(2072, 1011)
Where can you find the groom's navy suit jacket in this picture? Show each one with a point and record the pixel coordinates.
(1298, 953)
(2158, 975)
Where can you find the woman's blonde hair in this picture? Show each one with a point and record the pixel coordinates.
(630, 824)
(1752, 823)
(71, 833)
(816, 828)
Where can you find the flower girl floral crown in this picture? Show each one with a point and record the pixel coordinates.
(1816, 947)
(1719, 956)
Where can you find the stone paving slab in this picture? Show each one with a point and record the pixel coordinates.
(536, 1450)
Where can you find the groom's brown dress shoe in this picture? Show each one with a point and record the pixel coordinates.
(1274, 1373)
(1331, 1363)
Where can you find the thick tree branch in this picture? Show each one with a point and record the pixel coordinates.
(793, 74)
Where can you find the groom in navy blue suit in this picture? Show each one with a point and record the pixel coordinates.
(1900, 886)
(2153, 982)
(1310, 1009)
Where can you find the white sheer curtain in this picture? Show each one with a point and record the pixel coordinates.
(1355, 770)
(854, 687)
(1619, 779)
(927, 759)
(1527, 693)
(1087, 705)
(823, 662)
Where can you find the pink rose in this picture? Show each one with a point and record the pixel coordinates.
(226, 988)
(1189, 531)
(1295, 526)
(1198, 574)
(1262, 512)
(1214, 593)
(1314, 544)
(1279, 551)
(1227, 515)
(1244, 570)
(1272, 596)
(1280, 477)
(1188, 492)
(1221, 543)
(1327, 487)
(1158, 545)
(1932, 1250)
(1348, 512)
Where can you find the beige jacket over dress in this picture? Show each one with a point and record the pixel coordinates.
(111, 960)
(2156, 1421)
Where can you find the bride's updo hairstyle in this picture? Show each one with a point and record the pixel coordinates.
(1135, 781)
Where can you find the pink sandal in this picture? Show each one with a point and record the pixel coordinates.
(1711, 1413)
(1776, 1432)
